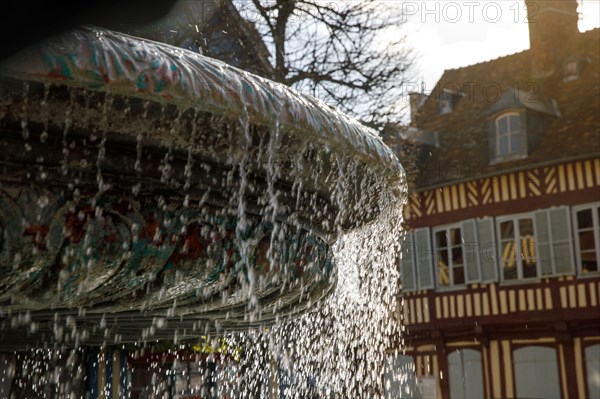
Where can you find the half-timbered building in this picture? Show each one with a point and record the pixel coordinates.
(500, 266)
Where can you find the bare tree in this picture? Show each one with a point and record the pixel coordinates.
(349, 53)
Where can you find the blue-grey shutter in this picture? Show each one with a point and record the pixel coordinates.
(542, 238)
(470, 251)
(424, 258)
(524, 132)
(562, 245)
(487, 250)
(492, 140)
(407, 264)
(536, 126)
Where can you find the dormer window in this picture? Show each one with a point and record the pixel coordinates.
(448, 99)
(573, 67)
(510, 136)
(445, 106)
(516, 123)
(571, 70)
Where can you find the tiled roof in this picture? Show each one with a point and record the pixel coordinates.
(463, 133)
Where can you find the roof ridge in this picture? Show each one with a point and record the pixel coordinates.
(587, 32)
(488, 61)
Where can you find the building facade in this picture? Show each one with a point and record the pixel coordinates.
(500, 266)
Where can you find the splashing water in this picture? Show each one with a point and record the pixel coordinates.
(182, 198)
(339, 348)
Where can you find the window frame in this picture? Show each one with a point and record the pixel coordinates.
(595, 207)
(451, 285)
(510, 134)
(515, 218)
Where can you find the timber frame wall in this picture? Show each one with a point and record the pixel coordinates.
(499, 317)
(568, 183)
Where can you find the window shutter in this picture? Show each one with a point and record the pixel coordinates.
(487, 250)
(470, 251)
(542, 238)
(524, 133)
(424, 257)
(562, 245)
(536, 126)
(492, 140)
(407, 263)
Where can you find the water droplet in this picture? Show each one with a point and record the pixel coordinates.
(135, 189)
(43, 201)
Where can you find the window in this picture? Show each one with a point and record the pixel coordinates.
(571, 71)
(587, 237)
(510, 138)
(518, 258)
(448, 99)
(536, 372)
(465, 374)
(535, 245)
(572, 67)
(592, 366)
(525, 246)
(454, 255)
(445, 106)
(449, 256)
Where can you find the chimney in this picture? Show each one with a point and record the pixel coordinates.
(416, 101)
(552, 26)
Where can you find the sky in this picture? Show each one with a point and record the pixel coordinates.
(450, 34)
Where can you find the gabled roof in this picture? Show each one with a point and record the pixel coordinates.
(573, 132)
